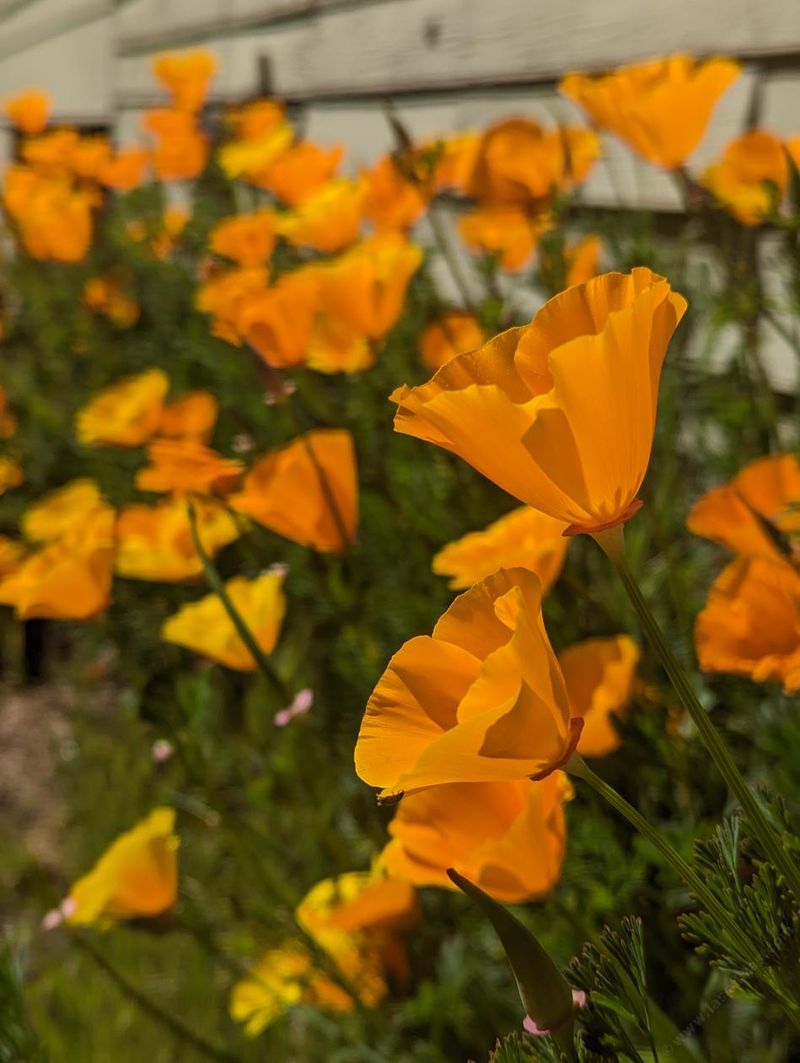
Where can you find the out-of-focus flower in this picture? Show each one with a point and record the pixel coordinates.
(126, 414)
(282, 979)
(391, 201)
(739, 514)
(751, 178)
(155, 542)
(54, 217)
(306, 491)
(301, 704)
(482, 700)
(226, 295)
(523, 538)
(125, 169)
(277, 321)
(506, 837)
(298, 172)
(28, 111)
(660, 107)
(52, 153)
(358, 919)
(186, 75)
(253, 119)
(455, 158)
(65, 510)
(751, 623)
(599, 674)
(11, 554)
(508, 232)
(107, 296)
(366, 287)
(252, 158)
(181, 148)
(334, 346)
(205, 627)
(70, 578)
(163, 236)
(11, 474)
(192, 416)
(136, 877)
(162, 750)
(559, 413)
(184, 466)
(582, 259)
(518, 162)
(89, 157)
(453, 333)
(245, 238)
(327, 220)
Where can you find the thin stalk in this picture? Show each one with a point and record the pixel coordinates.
(577, 766)
(216, 584)
(448, 254)
(612, 543)
(178, 1030)
(329, 496)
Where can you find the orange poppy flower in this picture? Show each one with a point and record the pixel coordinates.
(390, 200)
(252, 158)
(481, 700)
(523, 538)
(28, 111)
(518, 162)
(186, 75)
(582, 260)
(453, 333)
(751, 623)
(11, 554)
(181, 149)
(89, 157)
(53, 216)
(184, 466)
(126, 414)
(136, 877)
(226, 295)
(277, 322)
(507, 232)
(155, 542)
(192, 416)
(751, 178)
(63, 511)
(205, 627)
(336, 347)
(660, 107)
(366, 287)
(506, 837)
(560, 413)
(599, 674)
(68, 579)
(357, 919)
(125, 169)
(455, 158)
(52, 153)
(298, 172)
(329, 219)
(738, 514)
(246, 238)
(253, 119)
(11, 474)
(306, 491)
(107, 296)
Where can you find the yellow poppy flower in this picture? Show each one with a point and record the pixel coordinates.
(126, 414)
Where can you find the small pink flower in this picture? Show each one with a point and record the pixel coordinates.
(299, 707)
(162, 750)
(529, 1026)
(58, 915)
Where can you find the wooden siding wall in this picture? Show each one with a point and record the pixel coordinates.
(445, 64)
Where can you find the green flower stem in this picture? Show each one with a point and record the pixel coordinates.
(577, 766)
(216, 584)
(612, 543)
(164, 1018)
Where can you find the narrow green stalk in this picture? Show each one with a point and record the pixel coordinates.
(612, 543)
(577, 766)
(449, 255)
(178, 1030)
(216, 584)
